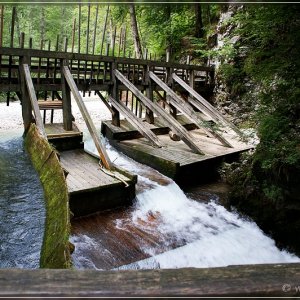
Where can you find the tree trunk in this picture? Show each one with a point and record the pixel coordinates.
(199, 31)
(169, 35)
(42, 24)
(135, 32)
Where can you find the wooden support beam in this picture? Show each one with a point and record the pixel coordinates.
(203, 105)
(66, 102)
(90, 125)
(174, 125)
(187, 110)
(33, 100)
(136, 122)
(115, 94)
(25, 101)
(105, 102)
(149, 94)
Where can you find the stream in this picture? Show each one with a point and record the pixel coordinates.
(164, 228)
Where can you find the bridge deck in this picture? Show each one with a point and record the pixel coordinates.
(175, 159)
(90, 189)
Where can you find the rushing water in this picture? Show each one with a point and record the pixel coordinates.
(21, 205)
(193, 233)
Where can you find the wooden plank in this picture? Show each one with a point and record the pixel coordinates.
(33, 100)
(172, 123)
(267, 280)
(147, 133)
(205, 106)
(104, 101)
(96, 58)
(90, 125)
(188, 110)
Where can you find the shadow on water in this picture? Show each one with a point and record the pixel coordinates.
(22, 209)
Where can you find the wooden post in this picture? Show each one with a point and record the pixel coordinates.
(67, 110)
(25, 101)
(149, 94)
(22, 40)
(115, 94)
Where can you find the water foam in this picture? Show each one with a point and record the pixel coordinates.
(211, 235)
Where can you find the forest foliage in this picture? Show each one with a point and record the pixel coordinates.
(266, 53)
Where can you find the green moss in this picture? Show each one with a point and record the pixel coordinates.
(55, 250)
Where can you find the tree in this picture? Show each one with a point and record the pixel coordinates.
(135, 32)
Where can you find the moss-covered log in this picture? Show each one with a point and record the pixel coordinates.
(55, 250)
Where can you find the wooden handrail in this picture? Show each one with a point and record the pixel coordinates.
(98, 58)
(205, 106)
(174, 125)
(33, 100)
(187, 110)
(90, 125)
(135, 121)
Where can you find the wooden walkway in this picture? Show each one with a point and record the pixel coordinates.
(91, 188)
(175, 159)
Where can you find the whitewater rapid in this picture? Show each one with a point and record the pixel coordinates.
(210, 235)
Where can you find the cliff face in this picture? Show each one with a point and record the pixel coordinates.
(257, 84)
(235, 93)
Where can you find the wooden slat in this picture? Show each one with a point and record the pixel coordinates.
(50, 104)
(188, 110)
(132, 119)
(172, 123)
(33, 100)
(268, 280)
(90, 125)
(90, 57)
(205, 106)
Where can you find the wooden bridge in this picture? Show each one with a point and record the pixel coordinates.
(168, 124)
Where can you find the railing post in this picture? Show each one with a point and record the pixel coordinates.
(149, 94)
(25, 100)
(66, 98)
(114, 91)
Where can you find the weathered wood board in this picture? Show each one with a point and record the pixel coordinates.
(277, 280)
(176, 159)
(91, 189)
